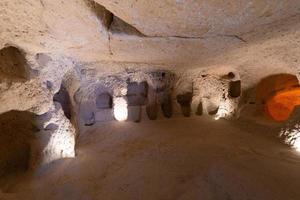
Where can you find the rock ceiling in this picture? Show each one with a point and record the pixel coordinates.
(180, 33)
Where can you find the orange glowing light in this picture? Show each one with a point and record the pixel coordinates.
(281, 94)
(282, 104)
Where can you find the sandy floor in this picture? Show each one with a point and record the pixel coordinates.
(179, 158)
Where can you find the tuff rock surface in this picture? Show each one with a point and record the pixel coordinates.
(175, 47)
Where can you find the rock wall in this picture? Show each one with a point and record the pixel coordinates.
(193, 57)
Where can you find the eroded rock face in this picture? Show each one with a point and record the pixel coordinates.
(57, 26)
(199, 18)
(29, 87)
(54, 26)
(90, 54)
(56, 139)
(28, 140)
(209, 92)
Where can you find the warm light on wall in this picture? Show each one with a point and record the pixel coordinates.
(222, 111)
(120, 109)
(291, 135)
(296, 145)
(227, 109)
(280, 94)
(280, 106)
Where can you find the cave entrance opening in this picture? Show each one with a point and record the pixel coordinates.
(279, 94)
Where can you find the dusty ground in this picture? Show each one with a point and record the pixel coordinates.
(178, 158)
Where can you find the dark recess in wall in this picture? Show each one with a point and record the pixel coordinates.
(62, 96)
(13, 64)
(17, 131)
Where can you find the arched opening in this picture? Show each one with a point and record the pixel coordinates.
(16, 138)
(62, 96)
(13, 65)
(279, 94)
